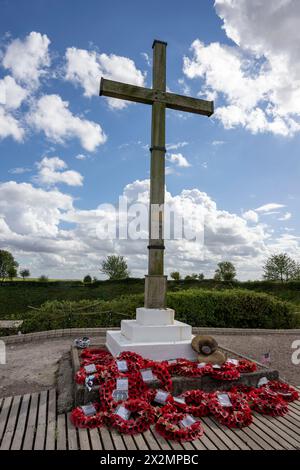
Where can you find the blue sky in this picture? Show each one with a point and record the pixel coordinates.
(243, 161)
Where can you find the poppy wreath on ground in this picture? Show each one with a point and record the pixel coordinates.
(186, 368)
(131, 356)
(97, 353)
(133, 365)
(80, 420)
(226, 372)
(159, 408)
(160, 370)
(168, 427)
(196, 403)
(81, 374)
(136, 390)
(177, 366)
(245, 366)
(243, 390)
(143, 416)
(267, 402)
(285, 391)
(236, 416)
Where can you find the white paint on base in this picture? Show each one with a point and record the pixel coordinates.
(155, 316)
(117, 343)
(136, 332)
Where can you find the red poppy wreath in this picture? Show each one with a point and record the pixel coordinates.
(173, 426)
(230, 409)
(265, 401)
(140, 417)
(81, 419)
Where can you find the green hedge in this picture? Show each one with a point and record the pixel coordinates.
(233, 308)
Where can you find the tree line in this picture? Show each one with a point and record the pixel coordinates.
(278, 267)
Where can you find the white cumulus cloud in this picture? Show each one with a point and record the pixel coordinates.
(87, 67)
(31, 226)
(255, 82)
(27, 59)
(10, 126)
(251, 216)
(271, 206)
(52, 116)
(179, 160)
(52, 170)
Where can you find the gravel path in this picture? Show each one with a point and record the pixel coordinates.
(33, 366)
(280, 347)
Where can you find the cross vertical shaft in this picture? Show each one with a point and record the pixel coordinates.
(155, 284)
(160, 99)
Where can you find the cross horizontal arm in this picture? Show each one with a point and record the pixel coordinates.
(139, 94)
(188, 104)
(126, 92)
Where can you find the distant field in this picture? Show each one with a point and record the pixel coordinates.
(17, 296)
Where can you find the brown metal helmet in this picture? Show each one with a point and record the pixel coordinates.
(217, 357)
(204, 345)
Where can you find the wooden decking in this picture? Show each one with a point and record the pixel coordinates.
(31, 422)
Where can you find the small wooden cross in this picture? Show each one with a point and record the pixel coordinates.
(160, 99)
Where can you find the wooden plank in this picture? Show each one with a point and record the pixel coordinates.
(164, 445)
(266, 428)
(293, 415)
(187, 445)
(140, 442)
(72, 435)
(198, 444)
(252, 439)
(51, 420)
(129, 442)
(275, 426)
(159, 64)
(213, 437)
(151, 441)
(175, 445)
(189, 104)
(117, 440)
(106, 439)
(125, 91)
(143, 95)
(18, 437)
(84, 442)
(238, 440)
(31, 422)
(11, 423)
(41, 423)
(61, 432)
(291, 421)
(265, 438)
(292, 436)
(294, 409)
(95, 439)
(4, 414)
(222, 436)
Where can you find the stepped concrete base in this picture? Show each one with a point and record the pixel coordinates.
(155, 316)
(161, 350)
(137, 333)
(154, 334)
(180, 384)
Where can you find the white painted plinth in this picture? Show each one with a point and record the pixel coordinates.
(154, 335)
(155, 316)
(136, 332)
